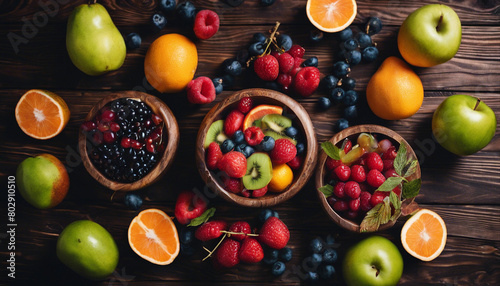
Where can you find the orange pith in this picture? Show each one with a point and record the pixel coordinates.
(331, 15)
(258, 112)
(153, 236)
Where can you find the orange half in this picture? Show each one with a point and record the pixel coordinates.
(153, 236)
(41, 114)
(258, 112)
(331, 15)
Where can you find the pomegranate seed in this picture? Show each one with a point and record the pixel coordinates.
(136, 144)
(103, 126)
(109, 137)
(88, 126)
(156, 119)
(125, 142)
(108, 115)
(151, 148)
(114, 127)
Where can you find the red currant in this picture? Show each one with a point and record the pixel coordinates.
(390, 173)
(378, 197)
(108, 115)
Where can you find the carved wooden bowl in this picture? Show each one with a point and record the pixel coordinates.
(170, 131)
(301, 121)
(352, 133)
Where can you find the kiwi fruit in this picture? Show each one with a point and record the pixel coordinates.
(277, 136)
(276, 122)
(215, 133)
(259, 171)
(257, 123)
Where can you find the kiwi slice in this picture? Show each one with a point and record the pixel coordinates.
(215, 133)
(277, 136)
(276, 122)
(257, 123)
(259, 171)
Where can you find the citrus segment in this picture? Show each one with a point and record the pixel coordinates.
(258, 112)
(331, 15)
(153, 236)
(41, 114)
(424, 235)
(282, 178)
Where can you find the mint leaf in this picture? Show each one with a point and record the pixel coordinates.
(327, 190)
(395, 201)
(390, 184)
(396, 215)
(204, 217)
(378, 215)
(400, 160)
(331, 150)
(411, 168)
(411, 189)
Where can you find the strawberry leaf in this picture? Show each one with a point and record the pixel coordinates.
(396, 215)
(411, 168)
(327, 190)
(331, 150)
(378, 215)
(400, 160)
(412, 188)
(395, 201)
(204, 217)
(390, 184)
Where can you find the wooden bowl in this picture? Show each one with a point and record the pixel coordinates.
(301, 121)
(352, 133)
(164, 162)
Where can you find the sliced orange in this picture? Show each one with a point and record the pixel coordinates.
(41, 114)
(153, 236)
(424, 235)
(258, 112)
(331, 15)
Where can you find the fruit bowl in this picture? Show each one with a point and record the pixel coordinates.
(300, 120)
(164, 158)
(352, 133)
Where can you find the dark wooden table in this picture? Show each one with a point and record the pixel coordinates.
(463, 190)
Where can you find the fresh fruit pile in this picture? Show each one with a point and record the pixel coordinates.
(256, 148)
(368, 180)
(127, 139)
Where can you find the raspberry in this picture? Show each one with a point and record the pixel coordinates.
(297, 66)
(374, 162)
(234, 164)
(339, 190)
(210, 230)
(340, 206)
(342, 172)
(306, 81)
(253, 135)
(233, 122)
(266, 67)
(200, 90)
(378, 197)
(285, 80)
(283, 152)
(240, 226)
(332, 163)
(206, 24)
(364, 199)
(260, 192)
(213, 156)
(245, 105)
(227, 253)
(358, 173)
(296, 163)
(352, 189)
(390, 173)
(354, 204)
(388, 164)
(286, 62)
(390, 154)
(375, 178)
(297, 51)
(233, 185)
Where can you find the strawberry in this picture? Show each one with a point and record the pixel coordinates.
(306, 81)
(266, 67)
(210, 230)
(234, 164)
(296, 162)
(206, 24)
(200, 90)
(232, 184)
(189, 206)
(233, 122)
(297, 51)
(213, 155)
(240, 226)
(286, 62)
(283, 152)
(253, 135)
(245, 105)
(274, 233)
(227, 253)
(250, 251)
(259, 192)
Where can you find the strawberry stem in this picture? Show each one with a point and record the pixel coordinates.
(269, 41)
(229, 233)
(215, 248)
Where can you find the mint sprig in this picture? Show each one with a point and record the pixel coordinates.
(378, 215)
(411, 189)
(327, 190)
(331, 150)
(203, 218)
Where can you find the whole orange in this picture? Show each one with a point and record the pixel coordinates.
(170, 63)
(395, 91)
(282, 178)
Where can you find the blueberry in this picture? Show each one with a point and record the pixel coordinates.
(300, 148)
(242, 56)
(132, 201)
(235, 3)
(330, 240)
(353, 57)
(270, 256)
(348, 83)
(159, 21)
(350, 44)
(345, 34)
(373, 26)
(337, 94)
(227, 81)
(265, 214)
(330, 256)
(324, 103)
(256, 49)
(326, 271)
(167, 6)
(267, 144)
(284, 42)
(341, 124)
(370, 54)
(248, 151)
(218, 85)
(240, 148)
(316, 35)
(341, 69)
(133, 41)
(312, 276)
(329, 82)
(259, 37)
(238, 137)
(351, 98)
(227, 146)
(351, 112)
(232, 67)
(285, 254)
(310, 62)
(186, 12)
(187, 250)
(316, 245)
(267, 2)
(291, 131)
(364, 40)
(278, 268)
(186, 235)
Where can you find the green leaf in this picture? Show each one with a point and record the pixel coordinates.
(400, 160)
(411, 189)
(204, 217)
(327, 190)
(331, 150)
(378, 215)
(390, 184)
(396, 215)
(395, 201)
(411, 169)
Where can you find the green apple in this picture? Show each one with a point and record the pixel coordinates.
(94, 44)
(463, 124)
(88, 249)
(430, 35)
(373, 261)
(42, 181)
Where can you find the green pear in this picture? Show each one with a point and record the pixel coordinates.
(94, 44)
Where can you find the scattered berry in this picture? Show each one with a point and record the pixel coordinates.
(218, 85)
(267, 2)
(326, 271)
(186, 235)
(286, 62)
(267, 213)
(167, 6)
(351, 97)
(316, 245)
(351, 112)
(158, 21)
(240, 226)
(297, 51)
(341, 124)
(133, 201)
(341, 69)
(330, 256)
(274, 233)
(206, 24)
(285, 254)
(284, 42)
(186, 12)
(345, 34)
(257, 48)
(373, 26)
(278, 268)
(266, 68)
(306, 81)
(133, 41)
(310, 62)
(353, 57)
(227, 253)
(201, 90)
(370, 54)
(232, 67)
(210, 230)
(189, 206)
(250, 251)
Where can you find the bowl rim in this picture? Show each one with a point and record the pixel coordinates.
(167, 158)
(310, 159)
(320, 170)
